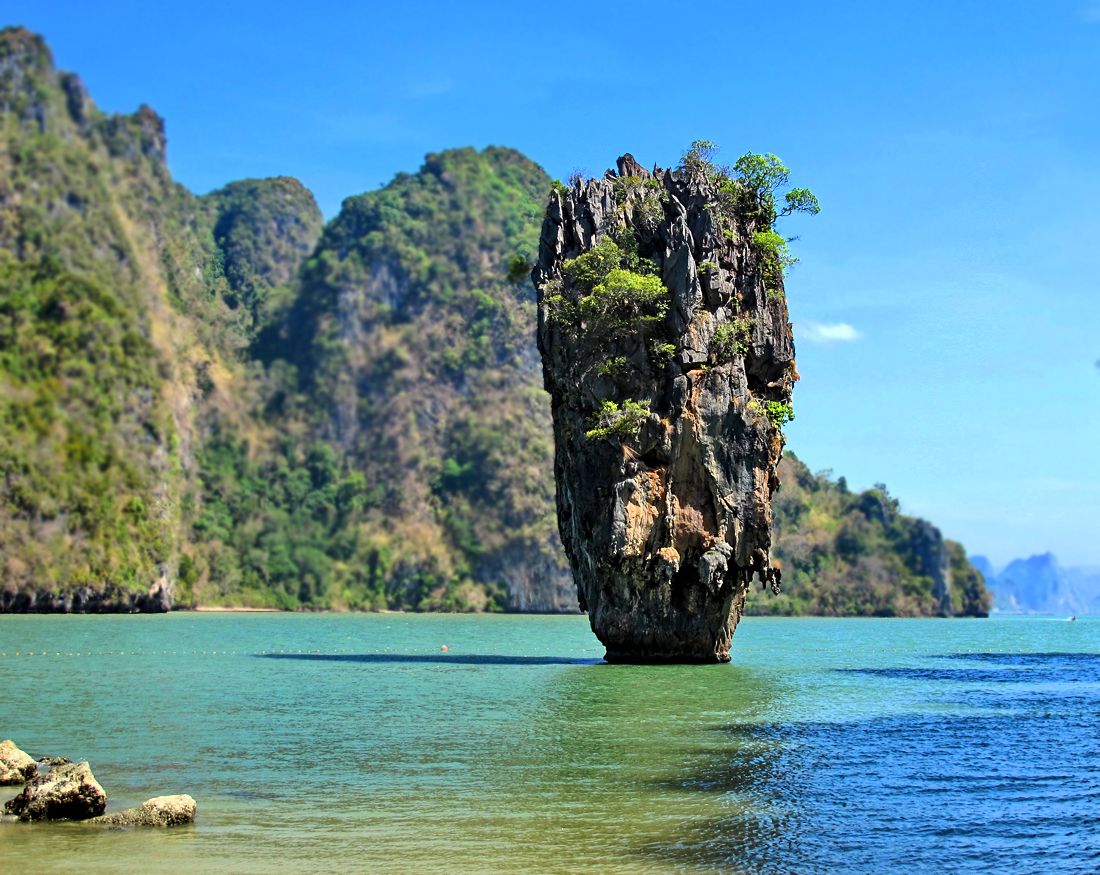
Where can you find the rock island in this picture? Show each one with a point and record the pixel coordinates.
(669, 358)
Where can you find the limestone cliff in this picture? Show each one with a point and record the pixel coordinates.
(121, 331)
(667, 401)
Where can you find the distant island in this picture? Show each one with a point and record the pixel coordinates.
(1041, 585)
(221, 400)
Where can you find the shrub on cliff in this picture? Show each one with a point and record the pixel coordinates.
(747, 192)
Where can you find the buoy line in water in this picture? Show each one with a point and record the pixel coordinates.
(451, 651)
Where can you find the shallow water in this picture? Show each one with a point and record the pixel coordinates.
(352, 743)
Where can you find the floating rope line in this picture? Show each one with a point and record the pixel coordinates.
(450, 651)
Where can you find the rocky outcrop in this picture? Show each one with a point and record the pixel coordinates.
(930, 551)
(109, 600)
(159, 811)
(16, 766)
(667, 402)
(66, 793)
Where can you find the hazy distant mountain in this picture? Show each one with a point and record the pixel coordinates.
(1040, 585)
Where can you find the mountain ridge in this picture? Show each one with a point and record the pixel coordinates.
(222, 399)
(1040, 584)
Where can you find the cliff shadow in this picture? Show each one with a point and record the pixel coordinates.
(434, 658)
(998, 668)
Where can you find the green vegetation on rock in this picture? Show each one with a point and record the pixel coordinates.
(748, 191)
(85, 437)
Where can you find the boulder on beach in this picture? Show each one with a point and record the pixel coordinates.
(69, 792)
(55, 761)
(159, 811)
(16, 766)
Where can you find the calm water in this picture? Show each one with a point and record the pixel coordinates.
(354, 744)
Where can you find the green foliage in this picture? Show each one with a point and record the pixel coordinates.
(625, 299)
(161, 346)
(847, 554)
(760, 176)
(747, 194)
(800, 200)
(613, 298)
(731, 339)
(614, 421)
(591, 268)
(519, 269)
(612, 367)
(261, 229)
(698, 159)
(424, 370)
(660, 353)
(778, 412)
(641, 200)
(84, 437)
(775, 259)
(278, 529)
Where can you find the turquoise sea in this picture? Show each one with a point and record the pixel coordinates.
(354, 744)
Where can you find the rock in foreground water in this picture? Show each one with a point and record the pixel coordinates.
(159, 811)
(68, 792)
(16, 766)
(669, 359)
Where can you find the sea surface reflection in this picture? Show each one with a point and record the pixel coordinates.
(330, 743)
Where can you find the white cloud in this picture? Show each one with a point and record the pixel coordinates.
(827, 332)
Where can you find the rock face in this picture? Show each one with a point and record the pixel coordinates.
(931, 552)
(85, 600)
(16, 766)
(159, 811)
(667, 402)
(67, 793)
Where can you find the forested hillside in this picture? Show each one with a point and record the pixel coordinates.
(221, 400)
(413, 467)
(110, 325)
(849, 554)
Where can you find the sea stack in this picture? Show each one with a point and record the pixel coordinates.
(668, 355)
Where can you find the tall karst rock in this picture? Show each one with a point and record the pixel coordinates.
(670, 362)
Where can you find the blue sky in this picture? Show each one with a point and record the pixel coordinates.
(946, 305)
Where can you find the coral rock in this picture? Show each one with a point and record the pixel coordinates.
(67, 793)
(159, 811)
(16, 766)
